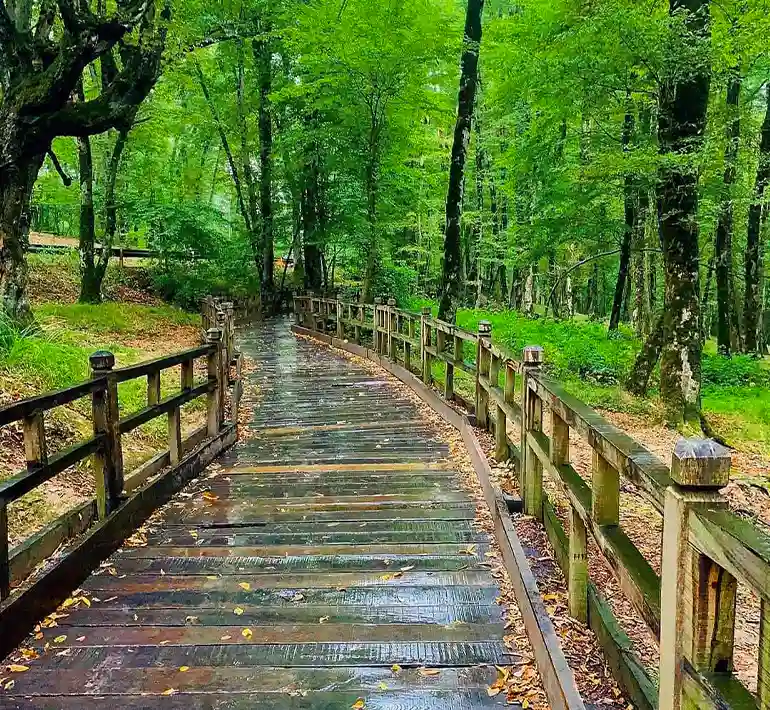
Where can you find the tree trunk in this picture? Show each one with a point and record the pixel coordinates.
(629, 209)
(646, 359)
(452, 267)
(16, 182)
(90, 283)
(263, 55)
(641, 299)
(682, 123)
(371, 218)
(752, 308)
(727, 336)
(311, 245)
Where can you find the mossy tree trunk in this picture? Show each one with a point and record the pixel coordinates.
(683, 102)
(40, 71)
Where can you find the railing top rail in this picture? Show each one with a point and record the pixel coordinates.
(27, 407)
(142, 369)
(626, 455)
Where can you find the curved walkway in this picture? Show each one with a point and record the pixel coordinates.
(331, 543)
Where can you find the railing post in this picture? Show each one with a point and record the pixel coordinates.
(427, 373)
(5, 563)
(35, 448)
(697, 597)
(407, 344)
(153, 388)
(482, 370)
(357, 326)
(376, 331)
(440, 347)
(340, 322)
(392, 328)
(214, 337)
(502, 452)
(531, 484)
(108, 460)
(224, 363)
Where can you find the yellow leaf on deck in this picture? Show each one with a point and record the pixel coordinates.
(184, 669)
(245, 586)
(408, 568)
(247, 633)
(208, 495)
(10, 684)
(429, 671)
(323, 619)
(395, 668)
(60, 639)
(226, 637)
(298, 597)
(382, 686)
(238, 611)
(360, 703)
(16, 668)
(169, 691)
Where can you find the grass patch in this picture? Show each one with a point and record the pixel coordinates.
(592, 366)
(126, 319)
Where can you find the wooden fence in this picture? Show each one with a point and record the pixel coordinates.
(221, 389)
(707, 550)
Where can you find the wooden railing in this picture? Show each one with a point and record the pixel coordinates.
(707, 550)
(104, 448)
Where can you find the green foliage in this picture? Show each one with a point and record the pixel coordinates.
(396, 282)
(736, 371)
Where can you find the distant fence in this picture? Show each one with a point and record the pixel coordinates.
(707, 550)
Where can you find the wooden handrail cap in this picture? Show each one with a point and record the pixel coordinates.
(213, 335)
(703, 463)
(533, 355)
(102, 360)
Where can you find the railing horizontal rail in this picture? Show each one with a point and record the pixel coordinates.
(27, 407)
(15, 487)
(165, 406)
(143, 369)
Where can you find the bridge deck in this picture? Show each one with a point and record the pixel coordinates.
(331, 545)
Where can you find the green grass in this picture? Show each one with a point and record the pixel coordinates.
(55, 353)
(736, 391)
(114, 318)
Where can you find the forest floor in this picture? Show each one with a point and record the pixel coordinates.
(54, 354)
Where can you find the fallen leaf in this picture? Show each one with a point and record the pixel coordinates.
(360, 703)
(80, 638)
(298, 597)
(238, 611)
(429, 671)
(408, 568)
(226, 637)
(60, 639)
(323, 619)
(209, 496)
(245, 586)
(169, 691)
(382, 686)
(9, 684)
(395, 668)
(16, 668)
(247, 633)
(184, 669)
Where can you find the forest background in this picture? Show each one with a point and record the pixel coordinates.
(261, 146)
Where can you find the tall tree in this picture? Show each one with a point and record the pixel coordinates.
(683, 102)
(451, 277)
(727, 330)
(752, 308)
(40, 67)
(263, 55)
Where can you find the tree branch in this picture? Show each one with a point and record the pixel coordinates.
(66, 179)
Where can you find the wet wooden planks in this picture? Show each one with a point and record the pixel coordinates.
(334, 542)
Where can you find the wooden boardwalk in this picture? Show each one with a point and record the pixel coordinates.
(332, 543)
